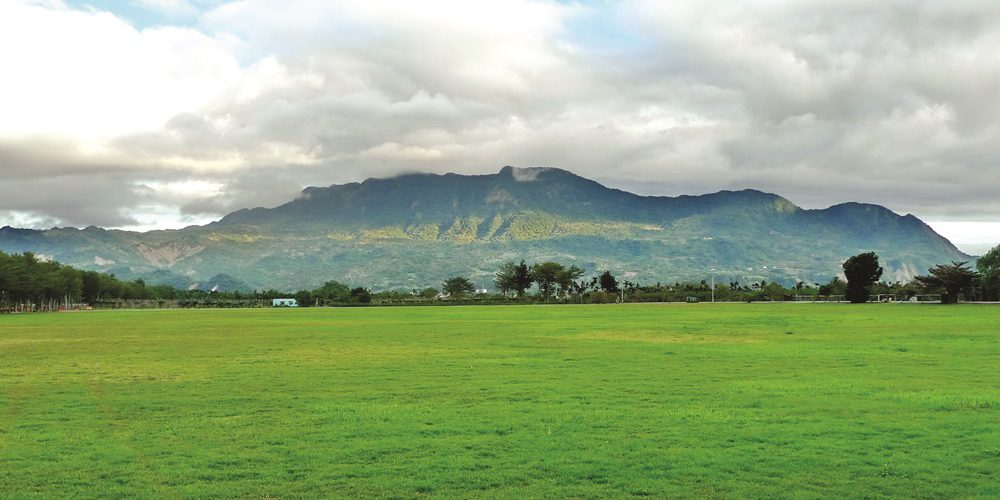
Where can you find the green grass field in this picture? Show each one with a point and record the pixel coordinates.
(756, 400)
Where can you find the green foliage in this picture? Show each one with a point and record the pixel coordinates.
(305, 298)
(495, 224)
(566, 279)
(505, 278)
(950, 280)
(333, 292)
(412, 231)
(532, 226)
(361, 295)
(862, 271)
(511, 277)
(608, 282)
(676, 401)
(383, 233)
(547, 275)
(523, 278)
(774, 292)
(31, 283)
(836, 286)
(463, 229)
(457, 287)
(989, 269)
(426, 232)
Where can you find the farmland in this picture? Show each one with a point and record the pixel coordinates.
(761, 400)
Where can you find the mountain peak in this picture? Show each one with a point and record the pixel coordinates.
(413, 229)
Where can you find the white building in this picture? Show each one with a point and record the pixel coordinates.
(284, 303)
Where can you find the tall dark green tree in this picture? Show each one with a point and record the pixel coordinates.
(506, 277)
(523, 279)
(950, 280)
(566, 279)
(332, 292)
(547, 275)
(836, 286)
(608, 282)
(862, 271)
(304, 298)
(457, 287)
(989, 269)
(361, 295)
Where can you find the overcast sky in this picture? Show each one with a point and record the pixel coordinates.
(163, 113)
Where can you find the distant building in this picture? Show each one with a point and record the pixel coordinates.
(284, 303)
(482, 291)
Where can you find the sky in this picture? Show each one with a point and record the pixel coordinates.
(145, 114)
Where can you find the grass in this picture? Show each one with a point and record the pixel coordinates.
(787, 400)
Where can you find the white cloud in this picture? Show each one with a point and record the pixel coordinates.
(974, 237)
(891, 102)
(31, 220)
(92, 76)
(397, 152)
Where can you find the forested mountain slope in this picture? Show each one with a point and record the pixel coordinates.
(415, 230)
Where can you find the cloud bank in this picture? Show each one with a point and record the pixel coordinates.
(202, 108)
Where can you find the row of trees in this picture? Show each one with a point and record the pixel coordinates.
(331, 293)
(862, 271)
(551, 277)
(30, 283)
(557, 281)
(950, 281)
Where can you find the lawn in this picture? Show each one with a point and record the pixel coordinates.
(747, 400)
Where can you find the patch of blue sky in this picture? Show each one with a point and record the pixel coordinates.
(601, 27)
(150, 13)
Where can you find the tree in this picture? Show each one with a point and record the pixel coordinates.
(429, 292)
(862, 271)
(506, 277)
(773, 291)
(567, 278)
(333, 291)
(989, 269)
(523, 279)
(457, 287)
(361, 295)
(547, 276)
(950, 280)
(304, 298)
(836, 286)
(608, 282)
(91, 286)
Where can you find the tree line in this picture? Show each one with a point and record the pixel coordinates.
(951, 281)
(28, 282)
(863, 275)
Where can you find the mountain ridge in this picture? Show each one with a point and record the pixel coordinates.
(416, 229)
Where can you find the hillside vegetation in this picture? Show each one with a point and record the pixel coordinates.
(411, 231)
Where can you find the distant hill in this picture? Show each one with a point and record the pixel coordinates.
(415, 230)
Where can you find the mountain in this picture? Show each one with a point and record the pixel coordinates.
(415, 230)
